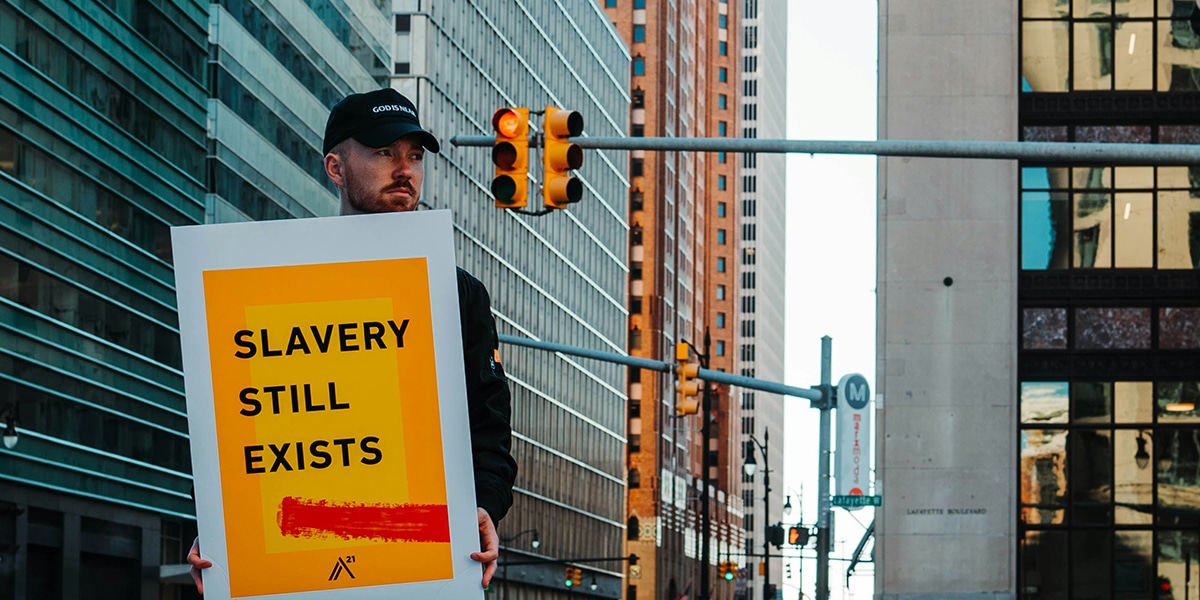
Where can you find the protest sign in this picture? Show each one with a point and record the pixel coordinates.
(327, 407)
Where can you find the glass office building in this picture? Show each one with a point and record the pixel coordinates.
(102, 143)
(1109, 306)
(558, 277)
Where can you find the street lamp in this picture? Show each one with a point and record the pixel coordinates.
(787, 506)
(534, 543)
(750, 466)
(11, 437)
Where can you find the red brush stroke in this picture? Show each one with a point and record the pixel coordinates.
(307, 518)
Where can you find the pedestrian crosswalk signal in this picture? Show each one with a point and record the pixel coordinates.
(798, 536)
(560, 155)
(510, 154)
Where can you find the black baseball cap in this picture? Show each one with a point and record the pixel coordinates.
(376, 119)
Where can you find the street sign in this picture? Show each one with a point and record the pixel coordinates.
(856, 501)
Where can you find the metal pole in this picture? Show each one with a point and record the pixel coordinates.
(665, 367)
(823, 471)
(706, 436)
(1149, 154)
(766, 511)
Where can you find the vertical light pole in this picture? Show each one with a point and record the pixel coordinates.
(750, 466)
(535, 542)
(823, 500)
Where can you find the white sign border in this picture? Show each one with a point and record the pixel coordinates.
(426, 234)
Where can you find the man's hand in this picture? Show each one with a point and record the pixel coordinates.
(198, 563)
(488, 541)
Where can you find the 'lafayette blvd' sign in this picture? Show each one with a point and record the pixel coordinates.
(855, 501)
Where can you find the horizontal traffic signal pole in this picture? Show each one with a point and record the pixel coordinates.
(564, 561)
(666, 367)
(1050, 152)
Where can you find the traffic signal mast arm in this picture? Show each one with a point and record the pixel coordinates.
(1159, 154)
(814, 395)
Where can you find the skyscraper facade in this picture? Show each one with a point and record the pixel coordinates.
(691, 281)
(762, 251)
(558, 277)
(1037, 334)
(102, 149)
(277, 67)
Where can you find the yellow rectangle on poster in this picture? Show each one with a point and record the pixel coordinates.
(327, 422)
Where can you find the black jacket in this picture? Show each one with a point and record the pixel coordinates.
(488, 400)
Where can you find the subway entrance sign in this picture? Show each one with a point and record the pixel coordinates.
(846, 501)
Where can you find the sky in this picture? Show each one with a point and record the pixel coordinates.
(832, 91)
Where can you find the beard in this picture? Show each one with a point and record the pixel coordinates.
(367, 200)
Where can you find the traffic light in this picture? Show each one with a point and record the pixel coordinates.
(559, 156)
(569, 578)
(688, 387)
(798, 535)
(576, 579)
(730, 571)
(510, 154)
(775, 535)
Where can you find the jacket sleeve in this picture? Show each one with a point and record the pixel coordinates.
(488, 400)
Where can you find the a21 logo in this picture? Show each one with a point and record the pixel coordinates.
(342, 565)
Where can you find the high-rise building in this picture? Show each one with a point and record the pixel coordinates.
(759, 303)
(1038, 345)
(277, 67)
(102, 144)
(558, 277)
(692, 280)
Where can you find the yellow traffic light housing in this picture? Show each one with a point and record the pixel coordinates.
(577, 579)
(559, 156)
(510, 154)
(729, 571)
(687, 385)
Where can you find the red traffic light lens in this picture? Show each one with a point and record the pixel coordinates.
(506, 122)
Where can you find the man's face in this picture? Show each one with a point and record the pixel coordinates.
(379, 180)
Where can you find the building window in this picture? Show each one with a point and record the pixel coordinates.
(722, 128)
(723, 48)
(722, 157)
(636, 167)
(635, 478)
(723, 21)
(1110, 217)
(720, 236)
(720, 348)
(721, 182)
(639, 33)
(721, 208)
(722, 101)
(720, 320)
(639, 4)
(639, 65)
(637, 130)
(720, 264)
(403, 23)
(723, 75)
(720, 292)
(401, 68)
(610, 3)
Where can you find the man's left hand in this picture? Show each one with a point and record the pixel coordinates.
(489, 541)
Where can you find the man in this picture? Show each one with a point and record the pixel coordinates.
(374, 152)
